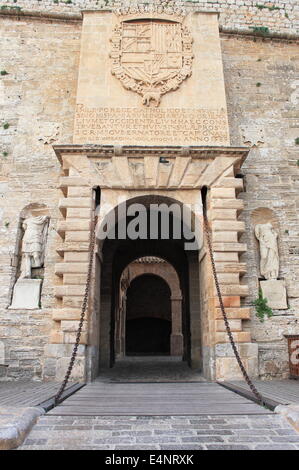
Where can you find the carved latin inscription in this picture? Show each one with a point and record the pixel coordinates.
(153, 126)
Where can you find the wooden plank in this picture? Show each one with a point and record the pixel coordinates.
(155, 399)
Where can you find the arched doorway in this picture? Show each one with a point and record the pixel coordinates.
(148, 316)
(118, 252)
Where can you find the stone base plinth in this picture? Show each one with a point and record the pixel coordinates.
(275, 292)
(227, 367)
(26, 294)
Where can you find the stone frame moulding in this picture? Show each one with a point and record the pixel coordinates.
(187, 169)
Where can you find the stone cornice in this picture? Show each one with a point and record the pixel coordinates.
(137, 151)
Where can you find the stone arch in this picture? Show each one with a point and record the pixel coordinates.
(117, 253)
(163, 269)
(148, 316)
(111, 212)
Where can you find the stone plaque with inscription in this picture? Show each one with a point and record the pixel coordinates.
(146, 79)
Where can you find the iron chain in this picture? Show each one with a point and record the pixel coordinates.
(227, 327)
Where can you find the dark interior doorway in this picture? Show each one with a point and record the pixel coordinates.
(118, 253)
(148, 318)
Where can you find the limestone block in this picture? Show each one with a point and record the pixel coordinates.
(78, 372)
(71, 326)
(79, 191)
(67, 181)
(228, 278)
(228, 182)
(228, 301)
(72, 302)
(70, 338)
(77, 236)
(226, 256)
(26, 294)
(56, 337)
(77, 291)
(275, 292)
(78, 279)
(75, 202)
(236, 289)
(227, 368)
(73, 225)
(234, 313)
(246, 350)
(224, 214)
(239, 247)
(223, 225)
(227, 204)
(66, 314)
(223, 193)
(76, 256)
(73, 268)
(62, 350)
(76, 212)
(231, 267)
(235, 325)
(225, 237)
(239, 337)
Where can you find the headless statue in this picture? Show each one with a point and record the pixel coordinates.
(269, 257)
(33, 244)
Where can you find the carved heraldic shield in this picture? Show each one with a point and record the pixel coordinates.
(151, 56)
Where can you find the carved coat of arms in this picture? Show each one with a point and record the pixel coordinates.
(151, 56)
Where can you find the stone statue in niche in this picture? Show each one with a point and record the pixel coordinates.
(33, 247)
(27, 291)
(269, 261)
(273, 289)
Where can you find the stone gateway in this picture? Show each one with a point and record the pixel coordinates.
(147, 114)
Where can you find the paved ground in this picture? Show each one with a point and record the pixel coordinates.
(151, 369)
(196, 414)
(260, 432)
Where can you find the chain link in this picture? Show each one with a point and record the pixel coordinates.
(83, 311)
(228, 330)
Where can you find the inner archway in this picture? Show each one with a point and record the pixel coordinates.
(148, 316)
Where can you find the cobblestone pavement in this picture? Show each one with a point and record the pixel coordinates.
(261, 432)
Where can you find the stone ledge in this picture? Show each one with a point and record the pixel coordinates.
(15, 424)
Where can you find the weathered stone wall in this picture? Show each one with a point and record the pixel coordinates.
(279, 15)
(263, 95)
(37, 99)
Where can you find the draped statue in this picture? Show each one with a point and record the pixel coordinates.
(269, 257)
(33, 246)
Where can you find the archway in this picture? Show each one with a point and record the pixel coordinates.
(117, 253)
(148, 316)
(161, 269)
